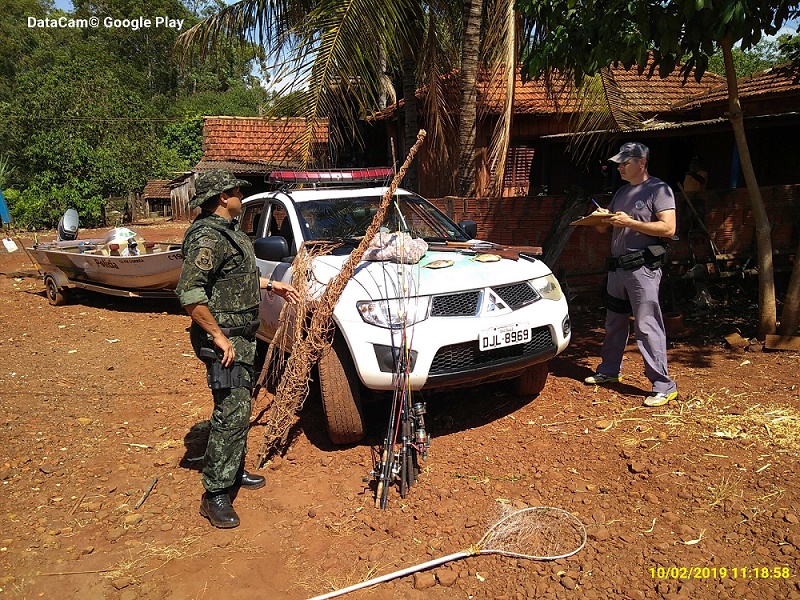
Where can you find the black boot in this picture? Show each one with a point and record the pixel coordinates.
(217, 508)
(249, 481)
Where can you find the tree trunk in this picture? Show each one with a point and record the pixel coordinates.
(411, 181)
(767, 312)
(790, 316)
(469, 94)
(573, 207)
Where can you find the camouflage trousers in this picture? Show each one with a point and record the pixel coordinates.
(227, 440)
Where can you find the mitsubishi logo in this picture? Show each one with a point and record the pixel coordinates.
(493, 304)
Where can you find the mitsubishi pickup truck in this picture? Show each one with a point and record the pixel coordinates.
(470, 322)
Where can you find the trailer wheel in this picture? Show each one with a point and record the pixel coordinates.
(532, 380)
(340, 389)
(56, 295)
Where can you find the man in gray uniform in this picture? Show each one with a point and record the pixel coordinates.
(220, 288)
(641, 214)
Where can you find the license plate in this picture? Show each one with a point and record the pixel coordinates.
(508, 335)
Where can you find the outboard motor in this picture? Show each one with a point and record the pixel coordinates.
(68, 226)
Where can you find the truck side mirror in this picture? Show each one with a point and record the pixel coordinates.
(272, 248)
(469, 227)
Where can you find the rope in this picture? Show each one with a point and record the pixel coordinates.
(313, 338)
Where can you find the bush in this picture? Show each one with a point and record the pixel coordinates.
(41, 206)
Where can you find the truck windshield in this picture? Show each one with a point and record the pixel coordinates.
(349, 218)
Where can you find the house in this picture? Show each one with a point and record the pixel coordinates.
(537, 160)
(251, 147)
(682, 120)
(156, 197)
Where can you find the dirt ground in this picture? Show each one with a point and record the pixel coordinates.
(102, 397)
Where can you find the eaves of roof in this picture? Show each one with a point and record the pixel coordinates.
(783, 80)
(754, 121)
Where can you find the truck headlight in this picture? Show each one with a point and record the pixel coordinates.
(394, 313)
(548, 287)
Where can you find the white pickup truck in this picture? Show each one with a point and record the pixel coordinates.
(469, 323)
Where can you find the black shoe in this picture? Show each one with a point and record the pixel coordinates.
(218, 509)
(249, 481)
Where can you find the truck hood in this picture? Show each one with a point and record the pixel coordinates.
(381, 279)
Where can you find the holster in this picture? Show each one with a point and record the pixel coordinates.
(655, 256)
(618, 305)
(220, 377)
(246, 331)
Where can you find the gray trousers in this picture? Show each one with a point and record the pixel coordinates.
(640, 286)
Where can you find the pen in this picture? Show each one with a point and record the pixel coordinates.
(595, 203)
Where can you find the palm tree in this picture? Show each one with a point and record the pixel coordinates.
(334, 53)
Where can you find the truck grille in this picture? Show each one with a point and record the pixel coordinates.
(466, 304)
(456, 305)
(517, 295)
(466, 355)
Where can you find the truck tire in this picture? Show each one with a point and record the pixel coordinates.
(55, 294)
(340, 389)
(532, 380)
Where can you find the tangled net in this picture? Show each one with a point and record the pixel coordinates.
(536, 533)
(308, 339)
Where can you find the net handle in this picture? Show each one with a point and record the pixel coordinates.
(389, 576)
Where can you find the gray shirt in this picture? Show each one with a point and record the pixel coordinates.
(641, 202)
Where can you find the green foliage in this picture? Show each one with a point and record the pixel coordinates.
(41, 204)
(789, 48)
(185, 139)
(763, 55)
(92, 114)
(16, 39)
(580, 37)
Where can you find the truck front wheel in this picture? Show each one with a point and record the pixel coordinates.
(340, 389)
(532, 380)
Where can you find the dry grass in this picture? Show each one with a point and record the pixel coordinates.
(728, 488)
(148, 558)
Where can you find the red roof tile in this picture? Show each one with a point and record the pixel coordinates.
(643, 94)
(782, 80)
(259, 140)
(157, 188)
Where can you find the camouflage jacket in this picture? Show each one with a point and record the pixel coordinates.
(219, 269)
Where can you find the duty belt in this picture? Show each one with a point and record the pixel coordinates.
(248, 330)
(628, 262)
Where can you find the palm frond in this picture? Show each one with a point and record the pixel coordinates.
(326, 55)
(501, 48)
(599, 110)
(435, 58)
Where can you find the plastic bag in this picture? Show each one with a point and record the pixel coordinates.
(398, 247)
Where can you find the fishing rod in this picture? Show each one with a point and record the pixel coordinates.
(406, 437)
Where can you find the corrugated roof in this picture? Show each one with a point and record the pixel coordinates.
(782, 80)
(156, 188)
(258, 140)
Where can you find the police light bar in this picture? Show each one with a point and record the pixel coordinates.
(381, 174)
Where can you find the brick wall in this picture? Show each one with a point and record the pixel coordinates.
(728, 216)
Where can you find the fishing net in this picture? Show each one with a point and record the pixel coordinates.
(537, 533)
(310, 333)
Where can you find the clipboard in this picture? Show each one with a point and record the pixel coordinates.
(594, 219)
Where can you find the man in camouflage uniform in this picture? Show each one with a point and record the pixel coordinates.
(220, 288)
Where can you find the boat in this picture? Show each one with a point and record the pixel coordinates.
(121, 263)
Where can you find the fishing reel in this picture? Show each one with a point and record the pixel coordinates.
(422, 439)
(380, 468)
